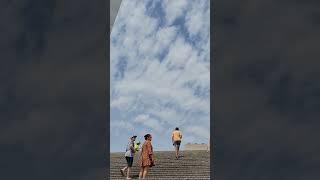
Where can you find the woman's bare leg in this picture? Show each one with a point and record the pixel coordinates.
(141, 172)
(128, 172)
(145, 172)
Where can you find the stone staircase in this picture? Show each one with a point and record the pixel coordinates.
(192, 165)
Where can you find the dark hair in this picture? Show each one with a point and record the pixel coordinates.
(177, 128)
(147, 136)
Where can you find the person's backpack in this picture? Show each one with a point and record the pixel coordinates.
(137, 146)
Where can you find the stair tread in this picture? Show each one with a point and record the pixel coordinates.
(192, 165)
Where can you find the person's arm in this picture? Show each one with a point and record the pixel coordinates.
(132, 148)
(149, 148)
(172, 137)
(150, 152)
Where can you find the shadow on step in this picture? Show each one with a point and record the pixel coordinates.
(135, 176)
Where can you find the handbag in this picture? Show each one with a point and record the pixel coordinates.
(152, 162)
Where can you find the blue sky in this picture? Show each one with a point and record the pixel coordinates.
(160, 72)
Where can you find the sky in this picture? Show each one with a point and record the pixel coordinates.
(160, 72)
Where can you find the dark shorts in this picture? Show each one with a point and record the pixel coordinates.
(177, 143)
(129, 161)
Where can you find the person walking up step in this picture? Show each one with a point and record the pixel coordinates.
(176, 140)
(130, 150)
(146, 157)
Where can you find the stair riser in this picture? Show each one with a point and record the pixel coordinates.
(194, 165)
(167, 179)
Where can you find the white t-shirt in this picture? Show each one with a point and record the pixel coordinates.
(129, 152)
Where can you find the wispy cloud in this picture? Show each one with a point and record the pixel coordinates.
(146, 120)
(198, 131)
(174, 9)
(160, 74)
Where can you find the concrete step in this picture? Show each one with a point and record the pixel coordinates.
(158, 165)
(166, 177)
(173, 173)
(177, 178)
(193, 165)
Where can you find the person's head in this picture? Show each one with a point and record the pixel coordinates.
(138, 143)
(177, 129)
(133, 138)
(148, 137)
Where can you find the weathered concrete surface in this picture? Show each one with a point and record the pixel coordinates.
(192, 147)
(193, 165)
(114, 8)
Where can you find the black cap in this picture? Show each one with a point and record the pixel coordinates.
(134, 136)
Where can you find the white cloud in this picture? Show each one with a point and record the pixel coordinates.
(165, 36)
(174, 9)
(146, 120)
(162, 40)
(200, 131)
(117, 126)
(198, 18)
(180, 53)
(159, 79)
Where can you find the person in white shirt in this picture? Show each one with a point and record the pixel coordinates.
(130, 150)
